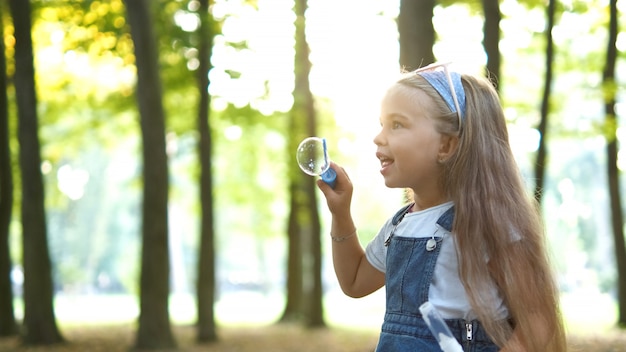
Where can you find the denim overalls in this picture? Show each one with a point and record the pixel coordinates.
(410, 267)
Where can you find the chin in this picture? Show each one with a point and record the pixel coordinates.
(391, 184)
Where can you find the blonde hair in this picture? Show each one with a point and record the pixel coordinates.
(499, 233)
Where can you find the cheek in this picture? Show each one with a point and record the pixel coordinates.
(419, 156)
(431, 145)
(423, 159)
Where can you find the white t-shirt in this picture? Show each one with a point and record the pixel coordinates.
(446, 292)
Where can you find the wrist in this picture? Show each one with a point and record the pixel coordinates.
(341, 238)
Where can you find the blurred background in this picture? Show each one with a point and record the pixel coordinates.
(91, 146)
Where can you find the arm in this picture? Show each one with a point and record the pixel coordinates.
(356, 276)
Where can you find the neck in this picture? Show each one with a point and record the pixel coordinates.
(423, 203)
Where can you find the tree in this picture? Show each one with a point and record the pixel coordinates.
(206, 256)
(617, 220)
(417, 33)
(39, 320)
(154, 323)
(294, 290)
(303, 227)
(491, 37)
(305, 105)
(542, 150)
(8, 324)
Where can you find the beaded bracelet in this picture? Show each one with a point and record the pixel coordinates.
(343, 238)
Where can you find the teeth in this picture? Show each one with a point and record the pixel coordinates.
(384, 162)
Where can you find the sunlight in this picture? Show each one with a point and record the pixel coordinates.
(78, 73)
(187, 21)
(524, 139)
(346, 69)
(72, 182)
(261, 73)
(621, 42)
(576, 30)
(461, 44)
(233, 133)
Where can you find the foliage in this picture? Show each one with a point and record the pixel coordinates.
(85, 71)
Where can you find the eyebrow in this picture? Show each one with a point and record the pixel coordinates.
(395, 115)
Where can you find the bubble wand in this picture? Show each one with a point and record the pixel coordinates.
(439, 328)
(312, 157)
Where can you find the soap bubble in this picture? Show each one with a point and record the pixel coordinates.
(312, 156)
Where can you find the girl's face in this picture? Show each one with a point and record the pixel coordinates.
(408, 144)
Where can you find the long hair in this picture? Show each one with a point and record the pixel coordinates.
(499, 232)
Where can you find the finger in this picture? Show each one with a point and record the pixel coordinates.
(342, 175)
(338, 169)
(323, 186)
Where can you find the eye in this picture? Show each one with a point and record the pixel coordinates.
(396, 125)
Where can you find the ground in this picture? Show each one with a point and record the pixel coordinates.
(274, 338)
(107, 323)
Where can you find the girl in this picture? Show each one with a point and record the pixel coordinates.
(471, 242)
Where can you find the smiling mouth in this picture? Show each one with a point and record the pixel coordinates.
(384, 160)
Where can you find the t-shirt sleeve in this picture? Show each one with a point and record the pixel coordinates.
(376, 252)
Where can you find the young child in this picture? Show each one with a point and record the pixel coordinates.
(471, 242)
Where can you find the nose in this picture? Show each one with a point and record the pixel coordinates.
(379, 139)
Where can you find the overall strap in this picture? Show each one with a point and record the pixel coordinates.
(445, 220)
(400, 214)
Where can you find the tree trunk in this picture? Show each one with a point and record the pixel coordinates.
(315, 316)
(542, 151)
(491, 38)
(304, 287)
(39, 321)
(295, 298)
(304, 102)
(154, 323)
(8, 324)
(417, 33)
(617, 220)
(294, 285)
(206, 258)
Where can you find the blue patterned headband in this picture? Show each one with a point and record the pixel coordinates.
(448, 85)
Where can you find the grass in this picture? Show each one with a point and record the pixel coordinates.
(246, 323)
(274, 338)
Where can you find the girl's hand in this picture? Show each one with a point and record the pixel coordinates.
(339, 198)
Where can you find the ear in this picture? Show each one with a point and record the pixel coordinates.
(447, 147)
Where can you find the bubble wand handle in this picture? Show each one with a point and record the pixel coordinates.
(329, 176)
(439, 329)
